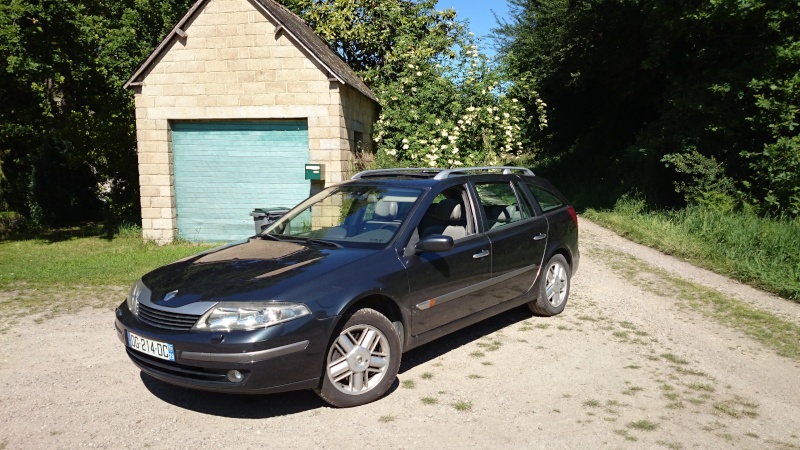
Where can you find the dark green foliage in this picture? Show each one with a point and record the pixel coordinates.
(629, 82)
(67, 137)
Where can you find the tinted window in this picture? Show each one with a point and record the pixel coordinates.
(526, 206)
(349, 214)
(546, 199)
(500, 204)
(448, 215)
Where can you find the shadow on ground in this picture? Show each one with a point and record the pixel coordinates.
(275, 405)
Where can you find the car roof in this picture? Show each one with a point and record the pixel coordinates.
(441, 174)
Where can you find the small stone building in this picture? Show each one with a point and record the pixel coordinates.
(230, 108)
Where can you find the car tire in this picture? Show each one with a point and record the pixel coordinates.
(553, 288)
(362, 360)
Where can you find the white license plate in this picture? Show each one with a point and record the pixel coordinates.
(153, 348)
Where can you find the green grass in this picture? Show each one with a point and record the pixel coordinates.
(781, 335)
(429, 400)
(762, 252)
(83, 257)
(57, 270)
(408, 384)
(644, 425)
(386, 419)
(674, 359)
(462, 406)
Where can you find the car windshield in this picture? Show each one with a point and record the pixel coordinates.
(348, 216)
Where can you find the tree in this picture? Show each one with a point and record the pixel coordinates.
(67, 138)
(442, 103)
(633, 84)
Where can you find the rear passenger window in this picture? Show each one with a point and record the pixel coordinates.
(546, 199)
(500, 204)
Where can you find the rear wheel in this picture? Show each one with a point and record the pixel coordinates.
(362, 360)
(553, 289)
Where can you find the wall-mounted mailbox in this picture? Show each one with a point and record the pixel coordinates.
(315, 171)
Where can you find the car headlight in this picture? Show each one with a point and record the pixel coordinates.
(137, 292)
(227, 316)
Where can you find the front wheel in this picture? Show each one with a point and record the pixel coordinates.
(553, 289)
(362, 360)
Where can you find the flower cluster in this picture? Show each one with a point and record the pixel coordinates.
(450, 113)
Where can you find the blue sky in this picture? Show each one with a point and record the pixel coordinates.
(479, 14)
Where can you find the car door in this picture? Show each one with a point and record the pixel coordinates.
(517, 236)
(445, 286)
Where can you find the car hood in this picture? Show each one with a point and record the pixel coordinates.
(256, 269)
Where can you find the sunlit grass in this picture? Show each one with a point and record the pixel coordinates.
(762, 252)
(64, 270)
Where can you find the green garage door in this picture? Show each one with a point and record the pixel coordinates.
(223, 170)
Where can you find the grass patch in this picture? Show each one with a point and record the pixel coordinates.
(758, 251)
(702, 387)
(627, 325)
(674, 359)
(408, 384)
(588, 318)
(632, 366)
(643, 425)
(67, 269)
(386, 419)
(490, 346)
(474, 376)
(84, 257)
(426, 376)
(737, 408)
(774, 332)
(626, 435)
(685, 371)
(670, 445)
(542, 326)
(632, 390)
(429, 400)
(592, 403)
(462, 406)
(620, 334)
(477, 354)
(487, 363)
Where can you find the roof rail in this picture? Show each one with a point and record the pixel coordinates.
(375, 172)
(443, 174)
(506, 170)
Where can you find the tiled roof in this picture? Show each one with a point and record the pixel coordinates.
(288, 23)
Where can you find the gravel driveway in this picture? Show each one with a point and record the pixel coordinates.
(627, 365)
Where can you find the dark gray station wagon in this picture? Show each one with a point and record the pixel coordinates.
(330, 296)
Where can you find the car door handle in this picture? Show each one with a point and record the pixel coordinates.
(539, 237)
(481, 254)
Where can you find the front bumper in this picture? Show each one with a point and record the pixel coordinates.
(286, 356)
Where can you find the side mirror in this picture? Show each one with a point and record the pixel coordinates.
(434, 243)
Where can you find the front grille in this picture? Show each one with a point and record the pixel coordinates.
(166, 319)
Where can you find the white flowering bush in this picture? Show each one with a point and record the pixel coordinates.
(451, 111)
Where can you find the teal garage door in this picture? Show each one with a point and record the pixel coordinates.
(223, 170)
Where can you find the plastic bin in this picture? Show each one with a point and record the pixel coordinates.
(263, 217)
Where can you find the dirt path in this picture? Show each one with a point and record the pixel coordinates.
(624, 367)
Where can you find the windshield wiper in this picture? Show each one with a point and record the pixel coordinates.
(325, 243)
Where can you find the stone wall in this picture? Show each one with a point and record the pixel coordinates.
(232, 66)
